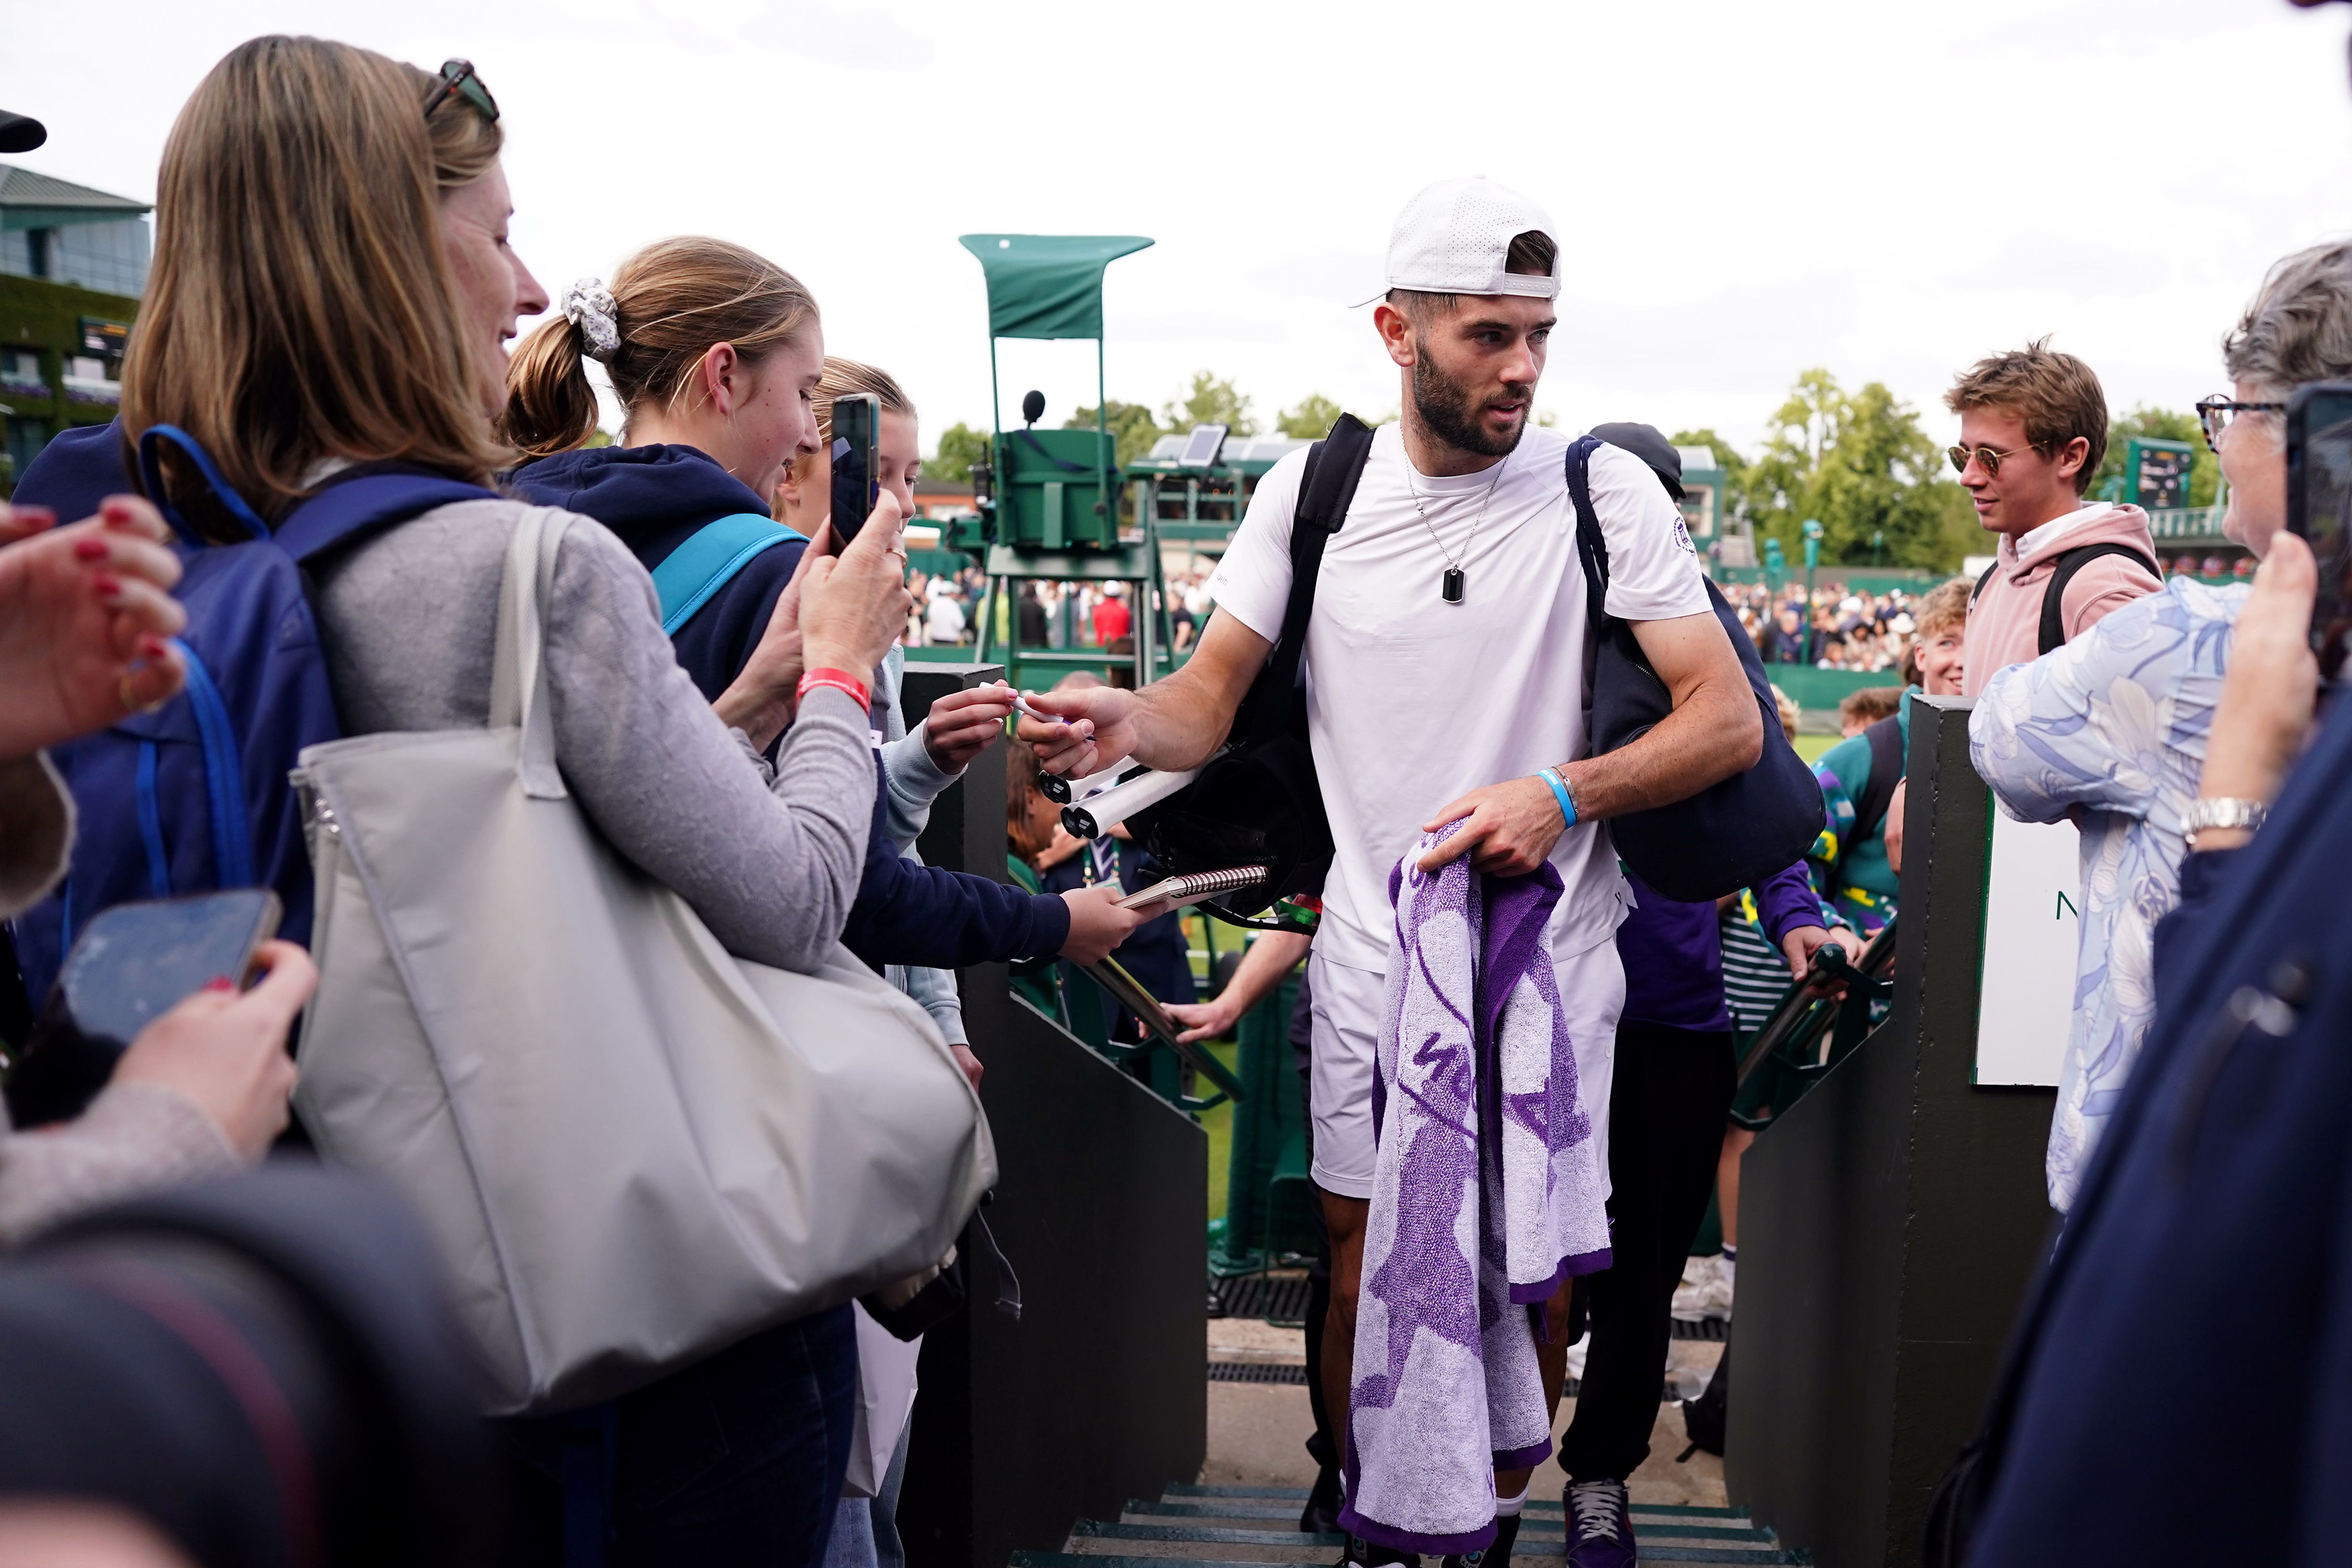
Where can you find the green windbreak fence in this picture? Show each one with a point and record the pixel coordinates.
(1269, 1219)
(1812, 689)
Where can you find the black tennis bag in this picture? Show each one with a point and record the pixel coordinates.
(1730, 834)
(1258, 802)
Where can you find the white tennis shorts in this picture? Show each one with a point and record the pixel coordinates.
(1347, 1026)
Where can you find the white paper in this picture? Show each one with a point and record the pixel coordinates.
(2033, 935)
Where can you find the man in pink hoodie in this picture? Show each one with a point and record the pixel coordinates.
(2033, 427)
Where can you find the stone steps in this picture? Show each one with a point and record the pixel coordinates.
(1257, 1527)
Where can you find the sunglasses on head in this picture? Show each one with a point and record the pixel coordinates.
(459, 79)
(1989, 459)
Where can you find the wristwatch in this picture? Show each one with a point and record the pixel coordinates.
(2224, 810)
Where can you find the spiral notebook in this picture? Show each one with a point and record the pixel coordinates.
(1199, 884)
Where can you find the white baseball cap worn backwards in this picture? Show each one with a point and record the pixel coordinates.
(1454, 237)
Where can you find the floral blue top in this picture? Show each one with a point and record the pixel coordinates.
(2114, 723)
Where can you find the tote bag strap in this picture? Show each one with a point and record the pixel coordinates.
(518, 676)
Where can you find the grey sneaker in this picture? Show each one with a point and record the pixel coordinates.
(1599, 1525)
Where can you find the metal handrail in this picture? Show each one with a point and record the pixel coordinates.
(1801, 1016)
(1130, 993)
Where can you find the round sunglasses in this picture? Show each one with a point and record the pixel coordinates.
(1987, 458)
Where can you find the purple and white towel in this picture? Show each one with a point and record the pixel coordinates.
(1485, 1196)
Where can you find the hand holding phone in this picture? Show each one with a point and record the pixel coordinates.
(854, 605)
(2319, 503)
(131, 964)
(2270, 696)
(857, 472)
(225, 1049)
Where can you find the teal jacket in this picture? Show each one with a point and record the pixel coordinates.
(1849, 870)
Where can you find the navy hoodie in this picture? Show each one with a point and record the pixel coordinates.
(655, 499)
(2197, 1306)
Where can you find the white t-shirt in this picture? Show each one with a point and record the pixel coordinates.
(1413, 703)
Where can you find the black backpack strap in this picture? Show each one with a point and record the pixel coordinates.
(1591, 545)
(1978, 592)
(2053, 597)
(1326, 490)
(1886, 738)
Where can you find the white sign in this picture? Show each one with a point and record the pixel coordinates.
(2033, 934)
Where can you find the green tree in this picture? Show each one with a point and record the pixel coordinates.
(1310, 420)
(961, 447)
(1132, 428)
(2162, 424)
(1212, 401)
(1860, 464)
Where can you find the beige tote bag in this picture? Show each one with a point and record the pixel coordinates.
(633, 1148)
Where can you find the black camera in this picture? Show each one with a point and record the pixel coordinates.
(264, 1369)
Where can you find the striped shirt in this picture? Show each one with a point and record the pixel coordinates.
(1755, 975)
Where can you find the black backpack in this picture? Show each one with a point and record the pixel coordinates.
(1732, 833)
(1259, 801)
(2054, 594)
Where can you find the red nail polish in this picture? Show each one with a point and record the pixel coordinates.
(153, 647)
(107, 585)
(220, 982)
(89, 549)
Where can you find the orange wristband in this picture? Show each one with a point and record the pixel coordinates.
(840, 680)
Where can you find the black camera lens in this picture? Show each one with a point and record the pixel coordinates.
(265, 1369)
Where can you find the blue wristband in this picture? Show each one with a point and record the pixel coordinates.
(1560, 793)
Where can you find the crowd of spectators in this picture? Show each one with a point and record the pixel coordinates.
(947, 608)
(1053, 613)
(1837, 628)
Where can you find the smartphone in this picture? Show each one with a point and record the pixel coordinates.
(131, 964)
(857, 476)
(2318, 497)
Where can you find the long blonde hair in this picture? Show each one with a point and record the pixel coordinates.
(299, 306)
(673, 300)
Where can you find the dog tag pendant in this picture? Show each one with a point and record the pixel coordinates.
(1451, 587)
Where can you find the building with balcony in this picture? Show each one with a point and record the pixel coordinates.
(73, 262)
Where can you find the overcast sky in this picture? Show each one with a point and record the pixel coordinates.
(1744, 190)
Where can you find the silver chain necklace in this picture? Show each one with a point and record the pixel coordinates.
(1450, 587)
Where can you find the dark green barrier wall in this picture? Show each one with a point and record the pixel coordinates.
(1890, 1222)
(1098, 1393)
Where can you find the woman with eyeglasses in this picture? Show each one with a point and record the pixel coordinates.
(332, 293)
(2118, 730)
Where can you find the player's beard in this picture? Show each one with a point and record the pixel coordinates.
(1448, 411)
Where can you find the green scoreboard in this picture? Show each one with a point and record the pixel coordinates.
(2156, 473)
